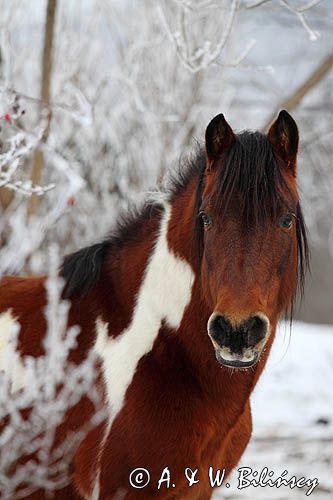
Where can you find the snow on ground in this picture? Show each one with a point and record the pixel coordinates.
(292, 409)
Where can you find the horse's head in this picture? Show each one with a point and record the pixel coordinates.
(254, 241)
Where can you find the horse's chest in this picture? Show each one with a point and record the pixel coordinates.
(169, 418)
(171, 428)
(165, 422)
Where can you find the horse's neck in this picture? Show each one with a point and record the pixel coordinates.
(159, 295)
(150, 282)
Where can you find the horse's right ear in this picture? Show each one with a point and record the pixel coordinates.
(283, 135)
(219, 137)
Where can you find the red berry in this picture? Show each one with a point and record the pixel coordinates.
(71, 201)
(7, 117)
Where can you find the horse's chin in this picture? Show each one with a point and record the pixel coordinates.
(237, 361)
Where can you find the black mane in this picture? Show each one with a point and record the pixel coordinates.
(250, 168)
(82, 269)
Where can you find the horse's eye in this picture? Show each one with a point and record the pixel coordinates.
(206, 219)
(286, 221)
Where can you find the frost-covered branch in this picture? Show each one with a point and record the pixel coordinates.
(200, 57)
(313, 35)
(36, 394)
(19, 146)
(298, 12)
(81, 111)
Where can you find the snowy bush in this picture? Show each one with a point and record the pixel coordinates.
(36, 395)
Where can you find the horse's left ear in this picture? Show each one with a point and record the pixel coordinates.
(283, 135)
(219, 137)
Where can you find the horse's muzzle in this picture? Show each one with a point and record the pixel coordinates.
(240, 344)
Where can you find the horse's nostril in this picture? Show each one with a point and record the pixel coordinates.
(220, 329)
(256, 329)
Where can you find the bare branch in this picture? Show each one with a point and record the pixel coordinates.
(314, 79)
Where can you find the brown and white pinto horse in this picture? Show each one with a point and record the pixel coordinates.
(181, 304)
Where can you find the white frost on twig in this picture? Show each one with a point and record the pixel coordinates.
(207, 53)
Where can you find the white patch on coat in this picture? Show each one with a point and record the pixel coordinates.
(164, 293)
(10, 360)
(95, 493)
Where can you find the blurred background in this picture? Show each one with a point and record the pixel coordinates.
(100, 99)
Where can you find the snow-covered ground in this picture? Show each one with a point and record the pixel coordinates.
(292, 411)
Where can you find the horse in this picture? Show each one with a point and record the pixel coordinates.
(181, 304)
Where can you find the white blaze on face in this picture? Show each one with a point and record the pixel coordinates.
(10, 360)
(164, 294)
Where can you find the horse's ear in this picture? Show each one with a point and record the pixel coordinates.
(219, 137)
(283, 135)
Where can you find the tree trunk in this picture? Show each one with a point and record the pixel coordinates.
(38, 160)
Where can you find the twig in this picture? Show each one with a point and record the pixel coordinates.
(203, 57)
